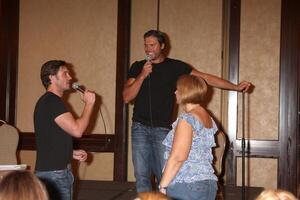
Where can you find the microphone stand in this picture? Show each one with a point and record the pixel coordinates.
(243, 146)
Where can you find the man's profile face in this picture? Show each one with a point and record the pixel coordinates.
(62, 78)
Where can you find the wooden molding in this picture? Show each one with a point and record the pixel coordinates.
(288, 110)
(121, 110)
(91, 143)
(9, 45)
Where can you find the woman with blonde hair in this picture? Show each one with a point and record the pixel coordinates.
(276, 195)
(188, 173)
(22, 185)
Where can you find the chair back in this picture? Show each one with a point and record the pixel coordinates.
(219, 151)
(9, 139)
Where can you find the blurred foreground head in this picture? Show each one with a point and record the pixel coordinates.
(152, 196)
(22, 185)
(276, 195)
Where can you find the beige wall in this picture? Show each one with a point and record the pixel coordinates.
(195, 31)
(85, 35)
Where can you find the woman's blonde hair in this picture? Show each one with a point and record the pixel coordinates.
(276, 195)
(191, 89)
(22, 185)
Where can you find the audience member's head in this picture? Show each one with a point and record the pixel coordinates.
(22, 185)
(152, 196)
(276, 195)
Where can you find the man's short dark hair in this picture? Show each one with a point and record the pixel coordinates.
(160, 36)
(50, 68)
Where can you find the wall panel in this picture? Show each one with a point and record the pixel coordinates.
(256, 175)
(259, 62)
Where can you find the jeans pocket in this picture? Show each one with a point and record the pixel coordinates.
(71, 177)
(137, 129)
(60, 175)
(203, 190)
(139, 134)
(200, 186)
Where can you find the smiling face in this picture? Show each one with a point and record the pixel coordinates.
(152, 47)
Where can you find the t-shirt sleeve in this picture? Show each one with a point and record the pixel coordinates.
(182, 67)
(186, 69)
(56, 106)
(135, 69)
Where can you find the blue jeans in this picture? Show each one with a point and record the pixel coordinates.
(59, 183)
(200, 190)
(147, 154)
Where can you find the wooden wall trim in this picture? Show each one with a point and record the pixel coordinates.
(91, 143)
(9, 43)
(298, 110)
(121, 110)
(288, 123)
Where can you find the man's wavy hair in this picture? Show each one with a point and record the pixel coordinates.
(50, 68)
(160, 36)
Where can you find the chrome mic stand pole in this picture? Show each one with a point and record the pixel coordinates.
(243, 146)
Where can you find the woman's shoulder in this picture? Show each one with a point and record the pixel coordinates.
(189, 118)
(196, 122)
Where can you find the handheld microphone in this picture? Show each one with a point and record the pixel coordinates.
(78, 87)
(149, 57)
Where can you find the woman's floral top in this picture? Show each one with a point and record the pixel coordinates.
(198, 166)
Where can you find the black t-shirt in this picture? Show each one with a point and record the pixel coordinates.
(54, 146)
(154, 102)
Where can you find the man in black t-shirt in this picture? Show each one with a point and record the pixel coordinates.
(54, 128)
(151, 84)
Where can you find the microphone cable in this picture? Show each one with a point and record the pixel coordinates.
(150, 100)
(107, 139)
(103, 121)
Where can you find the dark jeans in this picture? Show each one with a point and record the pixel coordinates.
(147, 154)
(59, 183)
